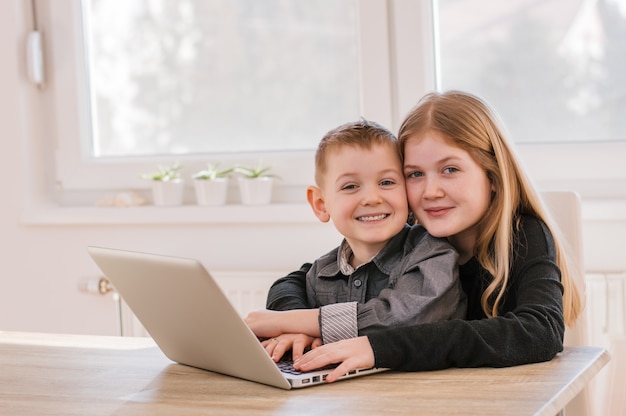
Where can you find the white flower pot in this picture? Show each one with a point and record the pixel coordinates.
(211, 191)
(256, 191)
(168, 193)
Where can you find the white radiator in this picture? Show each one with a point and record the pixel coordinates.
(606, 311)
(246, 290)
(606, 306)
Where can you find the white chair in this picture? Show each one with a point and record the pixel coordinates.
(565, 209)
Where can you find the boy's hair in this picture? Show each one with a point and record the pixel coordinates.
(363, 133)
(468, 123)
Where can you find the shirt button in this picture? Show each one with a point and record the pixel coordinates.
(357, 283)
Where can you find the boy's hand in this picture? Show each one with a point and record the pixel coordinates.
(297, 343)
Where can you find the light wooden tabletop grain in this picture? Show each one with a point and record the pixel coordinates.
(45, 374)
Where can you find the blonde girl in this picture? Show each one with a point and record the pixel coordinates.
(464, 183)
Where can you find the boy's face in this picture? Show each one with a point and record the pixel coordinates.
(363, 193)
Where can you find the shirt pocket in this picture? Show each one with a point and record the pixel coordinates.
(329, 290)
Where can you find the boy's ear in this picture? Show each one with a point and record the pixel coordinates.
(316, 200)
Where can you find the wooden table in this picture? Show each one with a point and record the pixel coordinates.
(44, 374)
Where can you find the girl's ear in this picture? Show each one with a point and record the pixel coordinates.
(316, 200)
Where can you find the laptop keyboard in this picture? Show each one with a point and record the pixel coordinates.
(286, 366)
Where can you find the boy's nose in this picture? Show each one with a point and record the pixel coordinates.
(372, 196)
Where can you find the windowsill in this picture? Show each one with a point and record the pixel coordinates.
(182, 215)
(288, 213)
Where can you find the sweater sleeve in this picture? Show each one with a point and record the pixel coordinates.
(289, 292)
(529, 329)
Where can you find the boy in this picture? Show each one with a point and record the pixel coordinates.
(385, 272)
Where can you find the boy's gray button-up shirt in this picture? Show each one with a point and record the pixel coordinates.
(413, 279)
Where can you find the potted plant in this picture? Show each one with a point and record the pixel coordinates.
(167, 185)
(255, 185)
(211, 185)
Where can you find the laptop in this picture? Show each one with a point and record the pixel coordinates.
(192, 321)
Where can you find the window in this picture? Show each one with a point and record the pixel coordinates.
(548, 67)
(553, 69)
(198, 76)
(208, 81)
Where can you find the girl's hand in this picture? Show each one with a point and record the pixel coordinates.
(350, 354)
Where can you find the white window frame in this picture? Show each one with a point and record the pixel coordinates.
(593, 169)
(76, 170)
(397, 50)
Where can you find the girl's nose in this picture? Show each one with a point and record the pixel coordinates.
(432, 188)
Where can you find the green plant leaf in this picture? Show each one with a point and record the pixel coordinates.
(257, 172)
(164, 173)
(212, 172)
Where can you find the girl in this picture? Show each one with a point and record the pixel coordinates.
(464, 183)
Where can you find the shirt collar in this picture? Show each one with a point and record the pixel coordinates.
(345, 254)
(385, 260)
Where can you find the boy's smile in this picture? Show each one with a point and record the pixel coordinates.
(363, 194)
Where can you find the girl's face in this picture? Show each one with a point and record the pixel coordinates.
(447, 190)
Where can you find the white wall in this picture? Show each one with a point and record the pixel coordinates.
(42, 264)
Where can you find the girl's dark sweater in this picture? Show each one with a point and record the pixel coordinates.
(529, 327)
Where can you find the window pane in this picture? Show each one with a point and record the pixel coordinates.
(553, 69)
(204, 76)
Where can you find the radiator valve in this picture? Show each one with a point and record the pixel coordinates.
(96, 285)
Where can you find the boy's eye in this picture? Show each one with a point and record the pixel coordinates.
(349, 187)
(387, 182)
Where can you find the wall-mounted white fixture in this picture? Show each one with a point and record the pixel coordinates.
(96, 285)
(34, 57)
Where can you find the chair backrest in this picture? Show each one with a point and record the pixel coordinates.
(564, 208)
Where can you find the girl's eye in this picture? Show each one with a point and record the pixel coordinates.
(450, 169)
(414, 174)
(387, 182)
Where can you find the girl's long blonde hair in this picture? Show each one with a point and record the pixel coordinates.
(470, 124)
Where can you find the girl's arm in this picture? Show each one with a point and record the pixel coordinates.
(530, 328)
(425, 288)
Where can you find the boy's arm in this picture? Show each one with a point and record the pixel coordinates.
(289, 292)
(268, 324)
(426, 289)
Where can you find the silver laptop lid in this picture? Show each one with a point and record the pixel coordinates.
(187, 314)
